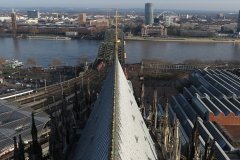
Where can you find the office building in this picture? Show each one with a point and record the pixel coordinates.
(156, 21)
(171, 20)
(238, 26)
(156, 31)
(33, 14)
(148, 13)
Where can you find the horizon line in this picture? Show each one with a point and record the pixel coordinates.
(123, 8)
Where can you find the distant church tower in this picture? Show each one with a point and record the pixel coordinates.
(14, 23)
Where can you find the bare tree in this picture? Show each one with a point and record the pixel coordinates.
(2, 61)
(83, 59)
(56, 62)
(192, 61)
(31, 62)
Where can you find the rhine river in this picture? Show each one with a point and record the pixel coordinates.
(69, 52)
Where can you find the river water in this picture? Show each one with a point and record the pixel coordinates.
(68, 52)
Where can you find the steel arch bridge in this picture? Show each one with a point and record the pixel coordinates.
(167, 13)
(106, 48)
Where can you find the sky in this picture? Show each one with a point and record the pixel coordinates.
(228, 5)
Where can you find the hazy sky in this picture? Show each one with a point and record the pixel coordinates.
(159, 4)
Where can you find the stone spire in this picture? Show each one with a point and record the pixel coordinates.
(76, 106)
(124, 54)
(155, 108)
(166, 129)
(54, 140)
(152, 113)
(166, 110)
(88, 90)
(34, 130)
(142, 68)
(64, 121)
(209, 149)
(51, 137)
(15, 151)
(21, 151)
(35, 152)
(212, 148)
(142, 107)
(194, 142)
(124, 57)
(176, 140)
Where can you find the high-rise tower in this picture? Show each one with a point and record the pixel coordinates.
(148, 13)
(238, 26)
(33, 14)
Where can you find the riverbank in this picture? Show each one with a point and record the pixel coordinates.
(196, 40)
(78, 37)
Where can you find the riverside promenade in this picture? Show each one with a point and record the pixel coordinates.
(196, 40)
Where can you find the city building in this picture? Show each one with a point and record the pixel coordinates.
(238, 26)
(33, 14)
(171, 20)
(196, 33)
(82, 18)
(156, 21)
(71, 34)
(7, 19)
(159, 30)
(220, 16)
(31, 21)
(99, 23)
(231, 27)
(188, 25)
(148, 13)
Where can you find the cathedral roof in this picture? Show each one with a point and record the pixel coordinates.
(115, 127)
